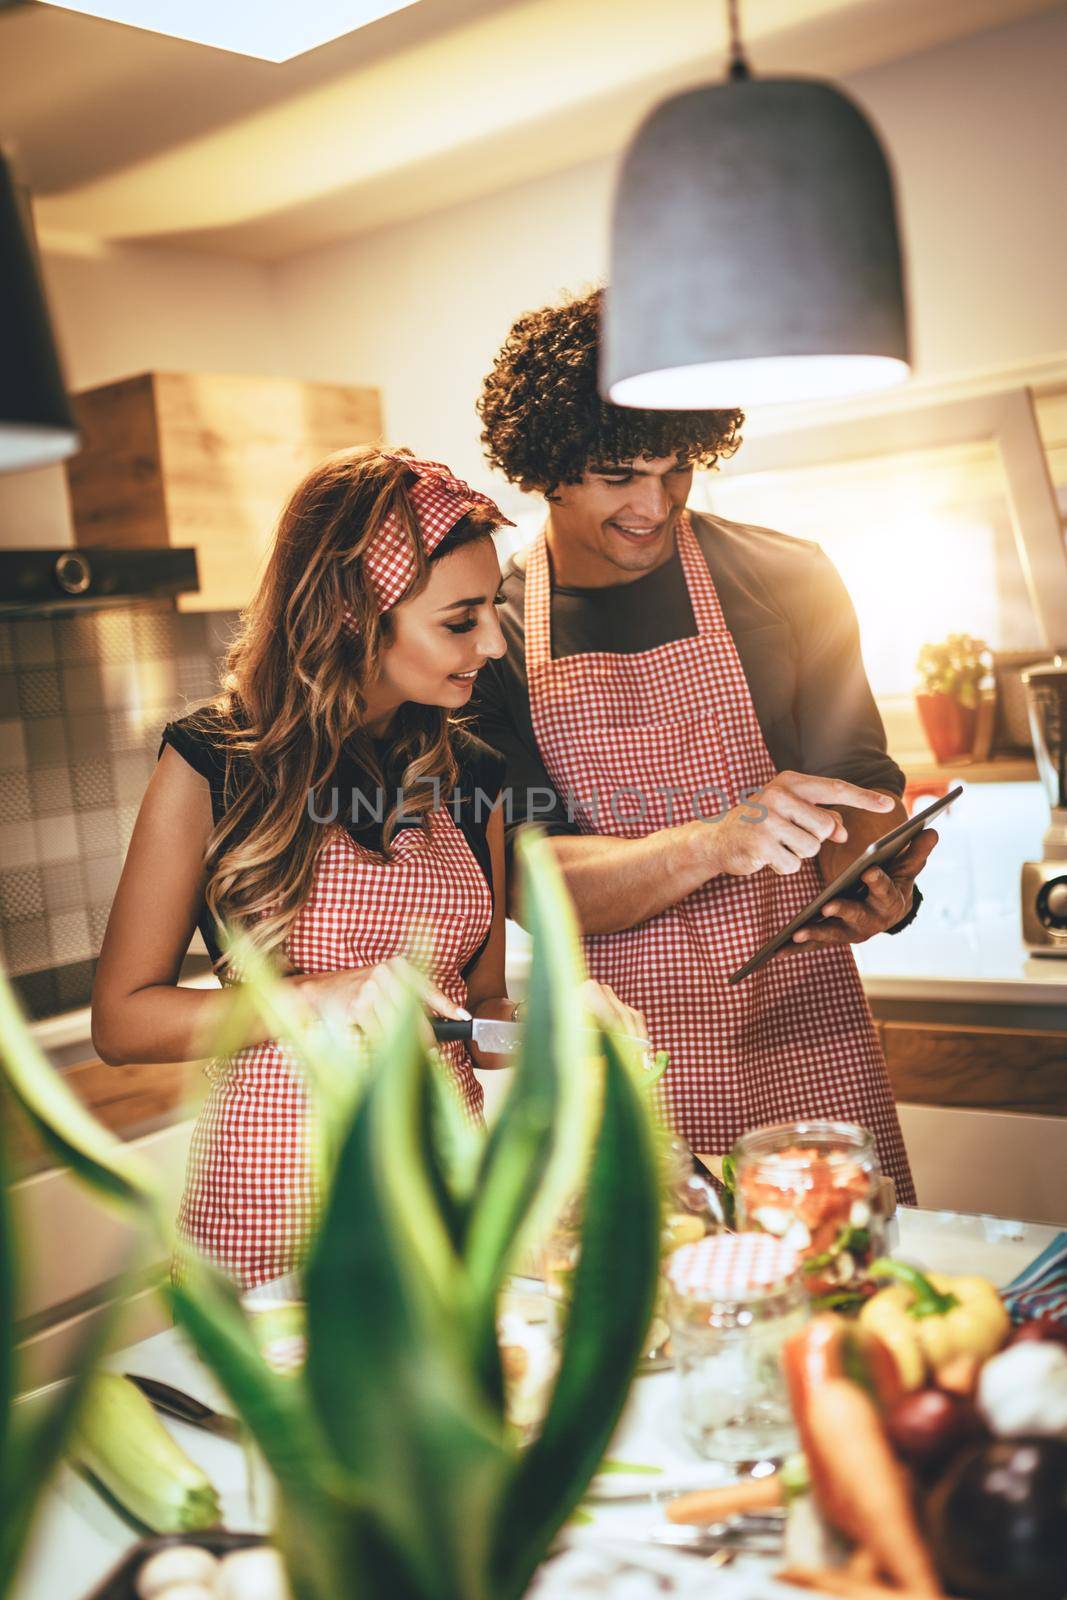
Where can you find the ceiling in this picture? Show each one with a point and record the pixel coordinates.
(125, 135)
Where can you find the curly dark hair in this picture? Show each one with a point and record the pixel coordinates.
(544, 420)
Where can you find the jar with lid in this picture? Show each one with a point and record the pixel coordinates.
(734, 1301)
(691, 1211)
(818, 1187)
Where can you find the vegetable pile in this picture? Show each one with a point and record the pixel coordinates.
(935, 1448)
(936, 1443)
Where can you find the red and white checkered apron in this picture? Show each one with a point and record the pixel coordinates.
(794, 1040)
(249, 1200)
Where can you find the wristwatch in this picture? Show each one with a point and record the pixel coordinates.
(906, 921)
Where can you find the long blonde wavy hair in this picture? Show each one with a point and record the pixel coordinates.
(294, 693)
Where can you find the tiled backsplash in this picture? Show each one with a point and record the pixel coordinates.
(83, 700)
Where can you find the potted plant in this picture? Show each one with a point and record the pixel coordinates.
(396, 1470)
(950, 679)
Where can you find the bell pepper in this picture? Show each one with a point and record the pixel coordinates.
(928, 1320)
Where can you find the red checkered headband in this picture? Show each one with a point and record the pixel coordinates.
(439, 501)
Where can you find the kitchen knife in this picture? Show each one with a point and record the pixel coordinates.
(751, 1535)
(186, 1408)
(496, 1038)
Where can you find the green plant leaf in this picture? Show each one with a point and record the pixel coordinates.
(534, 1154)
(520, 1151)
(37, 1434)
(336, 1546)
(614, 1292)
(7, 1303)
(388, 1368)
(451, 1145)
(76, 1138)
(274, 1408)
(33, 1435)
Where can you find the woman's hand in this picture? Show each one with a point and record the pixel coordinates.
(367, 997)
(605, 1005)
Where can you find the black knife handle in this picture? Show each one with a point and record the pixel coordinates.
(446, 1029)
(184, 1406)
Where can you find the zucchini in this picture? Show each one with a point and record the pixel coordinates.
(119, 1439)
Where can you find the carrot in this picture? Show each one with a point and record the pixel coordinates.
(870, 1492)
(839, 1581)
(713, 1505)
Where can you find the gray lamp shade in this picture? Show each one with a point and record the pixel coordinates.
(754, 255)
(36, 423)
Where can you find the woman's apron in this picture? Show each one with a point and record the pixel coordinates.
(631, 739)
(250, 1201)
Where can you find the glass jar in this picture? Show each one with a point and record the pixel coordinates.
(691, 1211)
(734, 1301)
(818, 1187)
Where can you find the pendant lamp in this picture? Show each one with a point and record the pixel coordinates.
(755, 256)
(36, 422)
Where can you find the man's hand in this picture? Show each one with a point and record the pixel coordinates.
(785, 824)
(889, 896)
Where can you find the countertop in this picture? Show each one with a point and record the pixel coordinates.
(79, 1537)
(983, 961)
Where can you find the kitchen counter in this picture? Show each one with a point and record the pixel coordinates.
(79, 1537)
(983, 961)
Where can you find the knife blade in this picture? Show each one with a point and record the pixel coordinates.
(738, 1533)
(496, 1038)
(186, 1408)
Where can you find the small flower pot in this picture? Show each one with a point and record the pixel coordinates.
(949, 726)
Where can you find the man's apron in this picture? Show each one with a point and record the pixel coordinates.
(249, 1201)
(619, 733)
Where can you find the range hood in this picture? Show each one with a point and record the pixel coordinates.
(78, 579)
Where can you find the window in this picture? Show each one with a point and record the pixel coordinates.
(941, 518)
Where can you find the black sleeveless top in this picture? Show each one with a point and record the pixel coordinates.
(352, 798)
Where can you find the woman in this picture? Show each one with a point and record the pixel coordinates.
(328, 804)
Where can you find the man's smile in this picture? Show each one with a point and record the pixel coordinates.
(639, 534)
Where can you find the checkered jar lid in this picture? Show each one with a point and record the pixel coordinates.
(732, 1266)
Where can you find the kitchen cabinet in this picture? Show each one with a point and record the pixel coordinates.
(85, 1248)
(208, 460)
(981, 1089)
(131, 1101)
(993, 1069)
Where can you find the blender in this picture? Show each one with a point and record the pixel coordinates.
(1044, 883)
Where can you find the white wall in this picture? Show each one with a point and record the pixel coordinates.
(420, 310)
(979, 137)
(120, 311)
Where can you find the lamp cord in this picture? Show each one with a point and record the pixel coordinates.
(739, 70)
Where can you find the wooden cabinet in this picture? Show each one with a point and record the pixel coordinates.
(207, 460)
(130, 1101)
(984, 1068)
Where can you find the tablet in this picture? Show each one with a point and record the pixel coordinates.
(849, 884)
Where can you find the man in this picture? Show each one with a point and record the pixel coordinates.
(663, 669)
